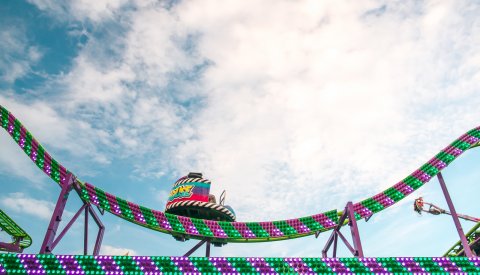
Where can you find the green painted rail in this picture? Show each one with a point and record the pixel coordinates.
(19, 236)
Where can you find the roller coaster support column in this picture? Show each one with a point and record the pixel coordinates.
(356, 250)
(207, 252)
(456, 221)
(197, 246)
(47, 245)
(101, 230)
(49, 242)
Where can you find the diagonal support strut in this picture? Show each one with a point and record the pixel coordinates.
(198, 245)
(356, 249)
(456, 221)
(50, 242)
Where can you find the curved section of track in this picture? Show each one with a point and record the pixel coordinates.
(233, 231)
(19, 236)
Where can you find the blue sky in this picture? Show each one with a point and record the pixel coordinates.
(293, 107)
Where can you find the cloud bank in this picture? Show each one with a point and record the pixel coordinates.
(293, 107)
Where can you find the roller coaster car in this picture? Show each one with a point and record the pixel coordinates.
(190, 197)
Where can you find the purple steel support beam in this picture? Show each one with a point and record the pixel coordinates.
(57, 215)
(327, 245)
(49, 243)
(195, 248)
(352, 222)
(67, 227)
(85, 232)
(456, 221)
(207, 252)
(333, 237)
(349, 246)
(335, 244)
(462, 251)
(356, 250)
(12, 247)
(101, 230)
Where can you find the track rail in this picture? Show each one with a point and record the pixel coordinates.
(233, 231)
(26, 264)
(20, 238)
(473, 238)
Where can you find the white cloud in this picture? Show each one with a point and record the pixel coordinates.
(299, 100)
(161, 196)
(94, 84)
(113, 250)
(17, 55)
(95, 11)
(300, 106)
(124, 96)
(330, 101)
(21, 203)
(14, 162)
(55, 131)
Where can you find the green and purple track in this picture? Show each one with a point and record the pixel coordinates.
(225, 232)
(20, 238)
(233, 231)
(27, 264)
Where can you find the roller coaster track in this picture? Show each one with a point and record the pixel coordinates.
(44, 264)
(473, 238)
(20, 238)
(233, 231)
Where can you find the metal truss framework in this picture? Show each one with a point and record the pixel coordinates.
(50, 242)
